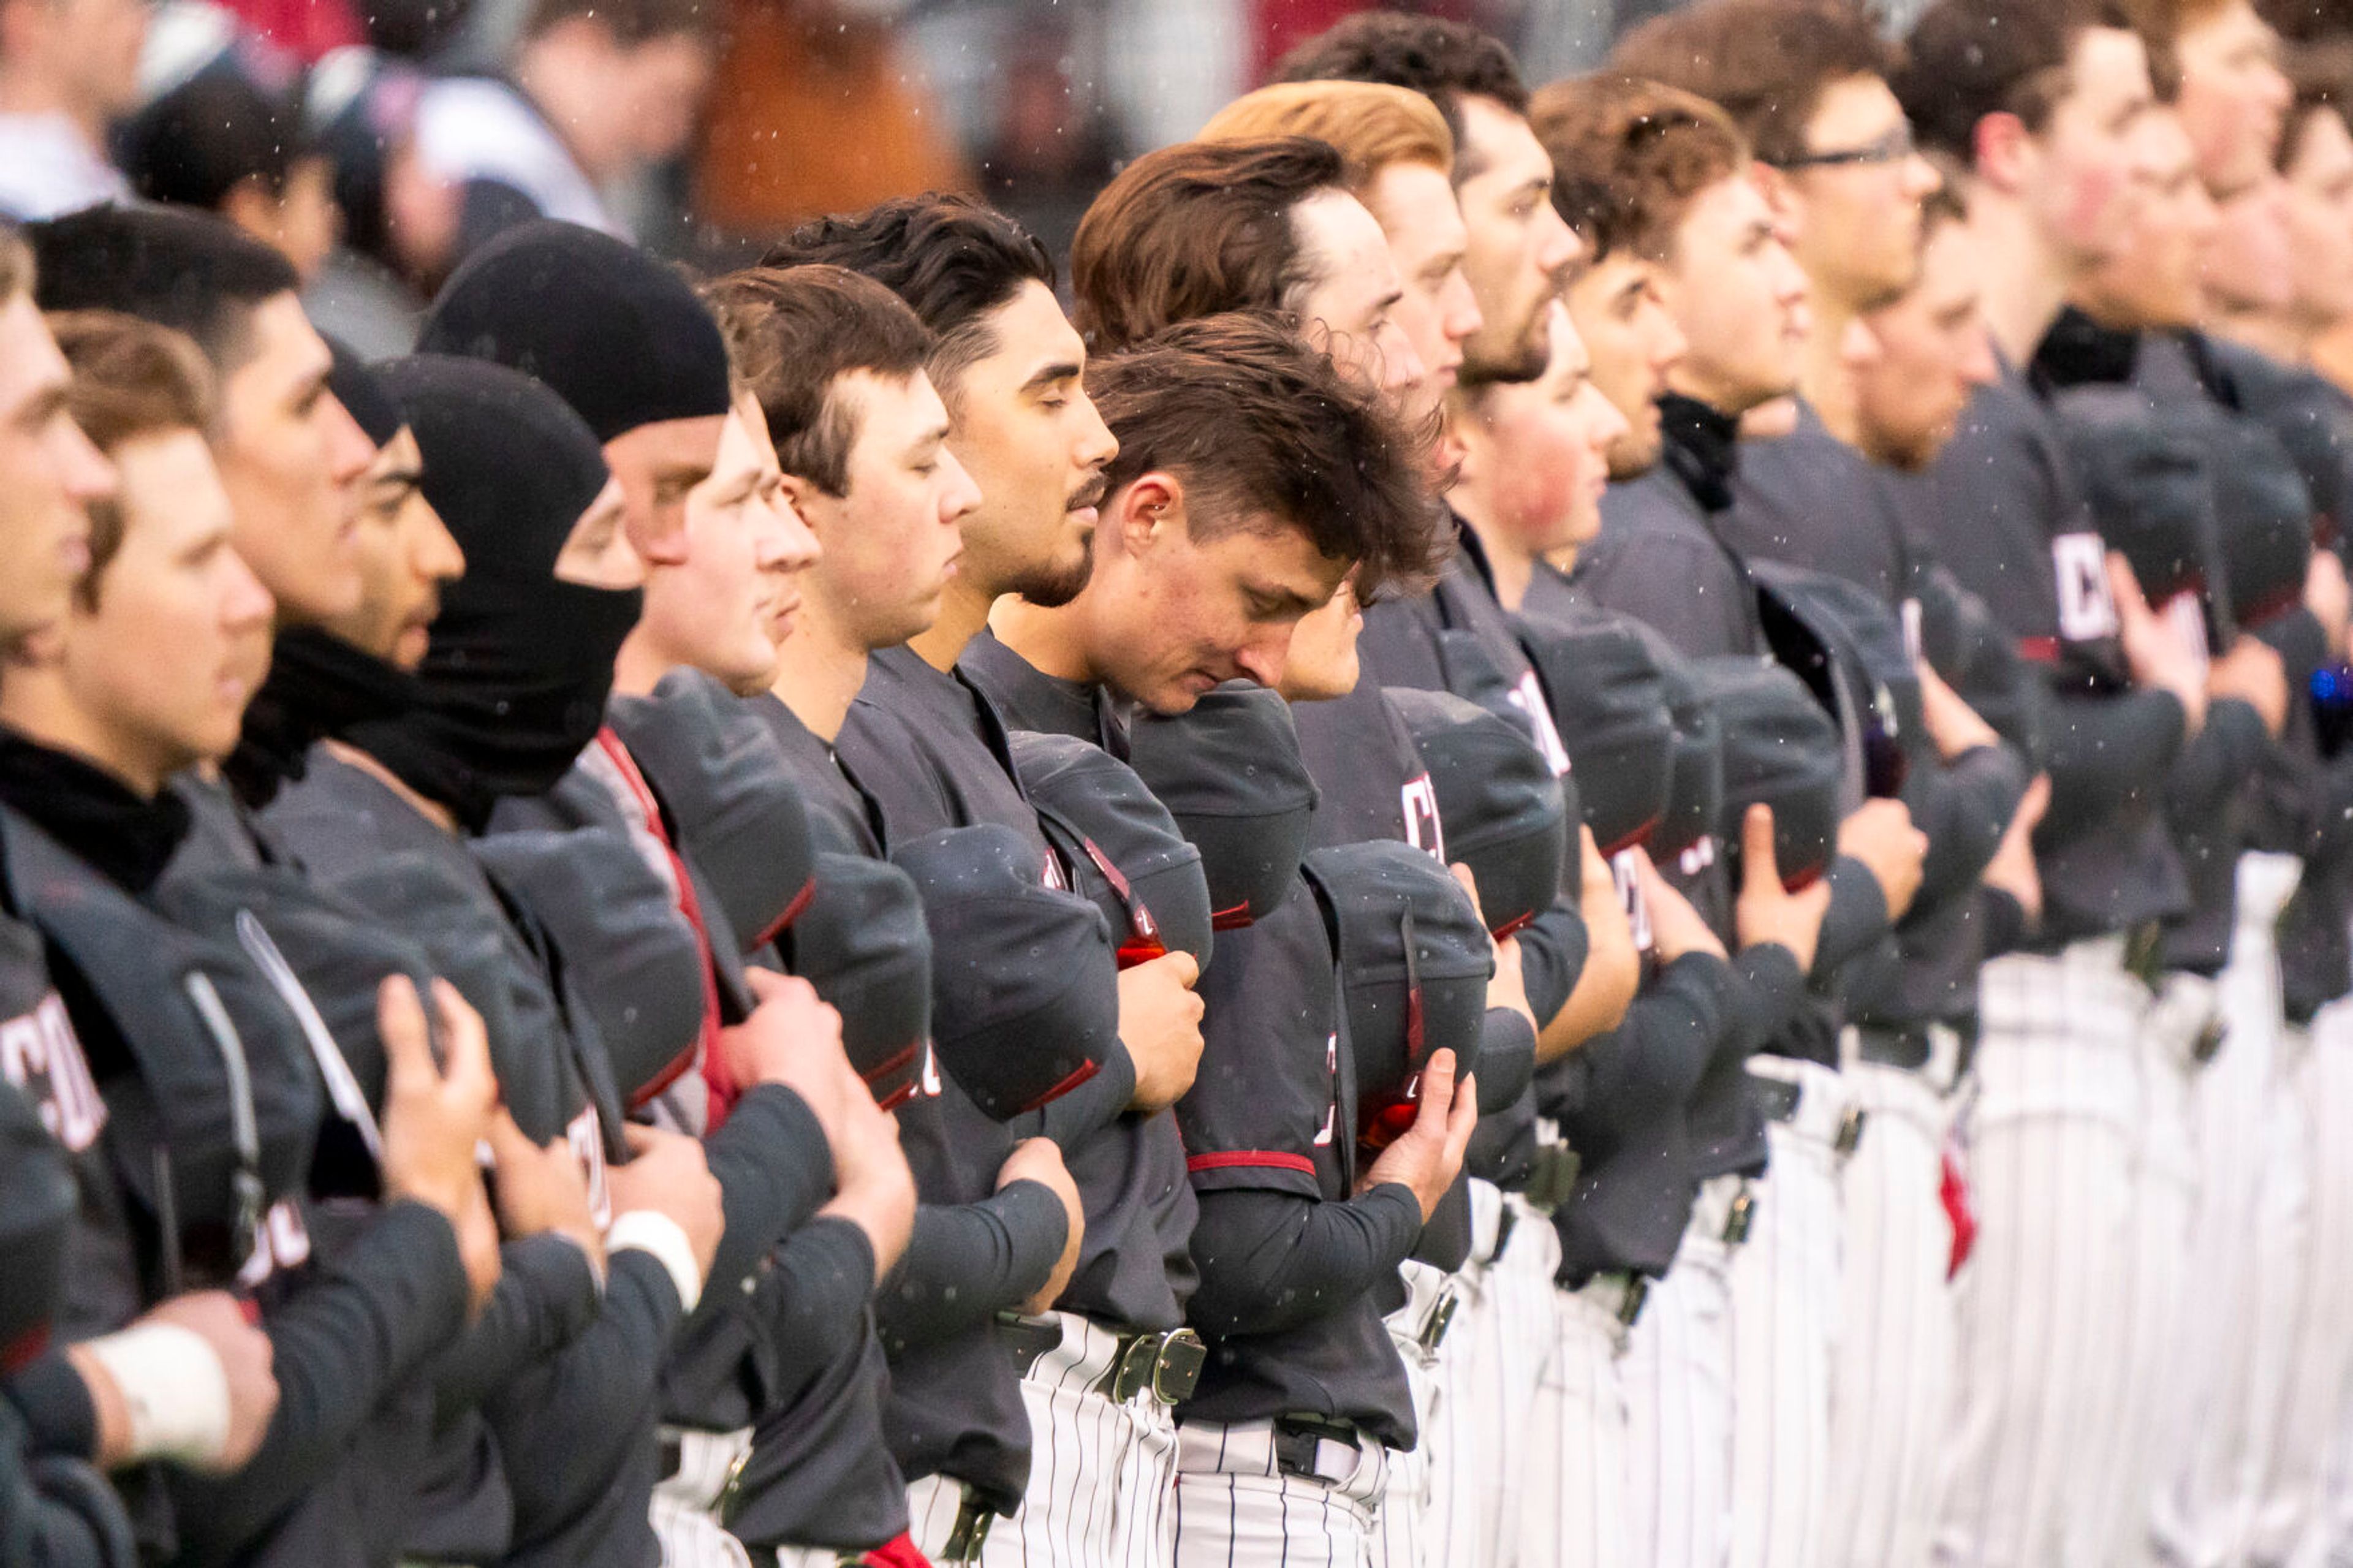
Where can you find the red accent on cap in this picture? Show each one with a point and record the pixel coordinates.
(1084, 1071)
(793, 911)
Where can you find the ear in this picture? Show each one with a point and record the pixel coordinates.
(1780, 191)
(2001, 150)
(1462, 440)
(803, 497)
(250, 207)
(1144, 510)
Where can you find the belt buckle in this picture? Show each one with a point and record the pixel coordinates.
(970, 1533)
(1736, 1223)
(2144, 954)
(1638, 1291)
(1849, 1132)
(1131, 1372)
(1177, 1366)
(1440, 1319)
(2208, 1043)
(1553, 1180)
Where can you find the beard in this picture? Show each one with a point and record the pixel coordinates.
(1050, 585)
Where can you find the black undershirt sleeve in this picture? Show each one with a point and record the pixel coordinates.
(1507, 1060)
(1272, 1260)
(774, 1170)
(814, 1300)
(968, 1261)
(1857, 917)
(1553, 949)
(2104, 751)
(1963, 807)
(545, 1298)
(2216, 760)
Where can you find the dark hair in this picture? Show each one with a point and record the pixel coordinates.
(1196, 229)
(793, 333)
(1969, 59)
(188, 271)
(2322, 72)
(1258, 425)
(2306, 21)
(1628, 156)
(954, 260)
(223, 126)
(1444, 62)
(631, 22)
(131, 378)
(1767, 63)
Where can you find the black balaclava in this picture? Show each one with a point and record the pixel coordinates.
(320, 685)
(514, 681)
(618, 335)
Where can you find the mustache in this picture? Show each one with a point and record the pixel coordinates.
(1092, 493)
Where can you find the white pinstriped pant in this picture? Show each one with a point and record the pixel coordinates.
(1099, 1472)
(1400, 1538)
(1573, 1510)
(1677, 1377)
(1509, 1328)
(2245, 1249)
(2042, 1357)
(1234, 1506)
(1892, 1367)
(1785, 1310)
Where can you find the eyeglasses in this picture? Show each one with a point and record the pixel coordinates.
(1893, 147)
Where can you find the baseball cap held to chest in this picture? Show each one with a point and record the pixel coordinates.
(1125, 851)
(1779, 749)
(1506, 815)
(1025, 988)
(862, 944)
(1231, 775)
(1609, 702)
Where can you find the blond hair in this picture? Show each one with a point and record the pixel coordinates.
(1372, 125)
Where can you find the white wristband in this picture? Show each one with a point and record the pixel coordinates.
(651, 1231)
(175, 1389)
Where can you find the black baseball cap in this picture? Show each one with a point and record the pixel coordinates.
(2264, 513)
(727, 786)
(1695, 800)
(1977, 657)
(1025, 988)
(2150, 487)
(1780, 750)
(627, 951)
(1609, 697)
(1413, 963)
(1504, 814)
(2313, 420)
(1231, 776)
(863, 944)
(1850, 648)
(1123, 849)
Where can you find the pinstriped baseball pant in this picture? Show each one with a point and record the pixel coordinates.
(1234, 1506)
(1572, 1511)
(1677, 1376)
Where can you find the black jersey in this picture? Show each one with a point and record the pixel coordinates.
(953, 1405)
(2011, 524)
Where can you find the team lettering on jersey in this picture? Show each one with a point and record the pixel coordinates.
(1332, 1076)
(2087, 612)
(1909, 614)
(1422, 828)
(1527, 696)
(1630, 894)
(42, 1057)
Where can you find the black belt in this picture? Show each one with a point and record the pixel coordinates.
(1905, 1046)
(1777, 1098)
(2144, 954)
(1167, 1361)
(1295, 1440)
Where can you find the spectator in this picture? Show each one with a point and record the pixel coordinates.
(227, 137)
(399, 222)
(601, 90)
(67, 68)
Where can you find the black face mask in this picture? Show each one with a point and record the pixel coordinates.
(319, 685)
(514, 681)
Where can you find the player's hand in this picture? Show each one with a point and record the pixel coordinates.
(791, 1038)
(433, 1116)
(667, 1174)
(543, 1189)
(2012, 867)
(1676, 928)
(1160, 1025)
(1039, 1159)
(874, 1188)
(1767, 911)
(2153, 651)
(1880, 833)
(2252, 672)
(2330, 597)
(245, 1355)
(1508, 987)
(1953, 725)
(1428, 1155)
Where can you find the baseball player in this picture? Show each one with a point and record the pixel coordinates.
(1810, 499)
(998, 1228)
(928, 749)
(2037, 1394)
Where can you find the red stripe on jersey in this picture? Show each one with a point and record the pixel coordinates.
(1258, 1159)
(2042, 650)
